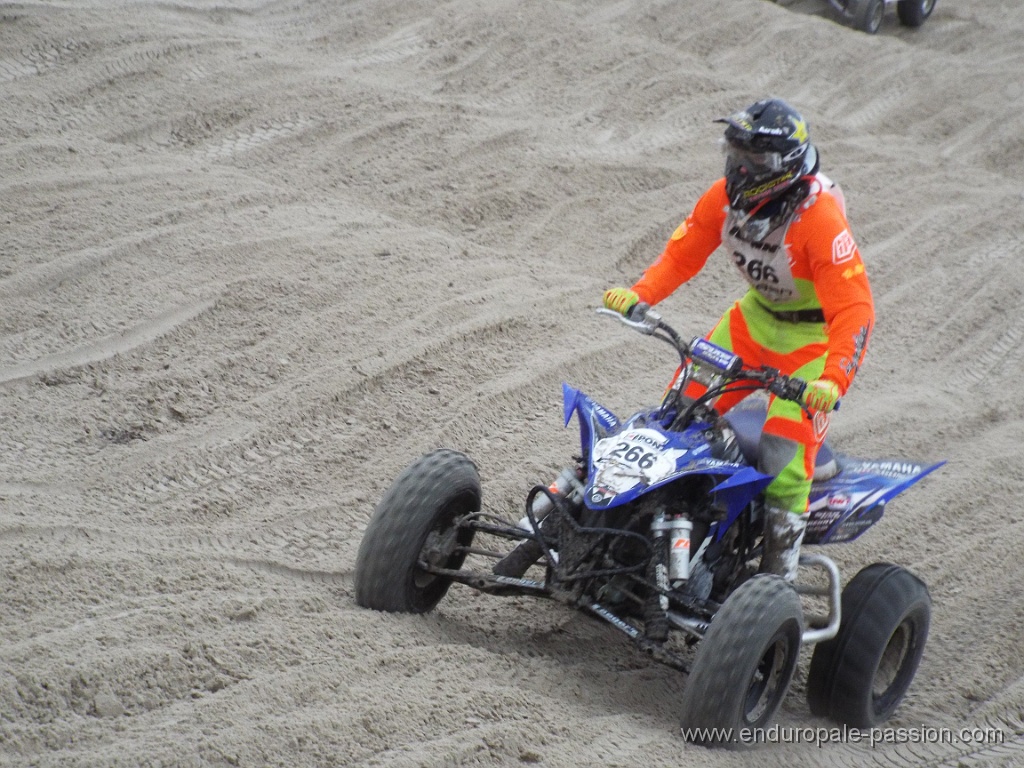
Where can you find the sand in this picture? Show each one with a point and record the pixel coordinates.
(259, 256)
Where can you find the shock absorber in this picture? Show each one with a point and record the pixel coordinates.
(656, 605)
(680, 530)
(670, 566)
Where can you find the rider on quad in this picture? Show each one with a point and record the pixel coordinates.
(809, 310)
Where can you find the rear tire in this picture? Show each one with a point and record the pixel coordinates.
(868, 15)
(744, 664)
(416, 520)
(861, 675)
(912, 13)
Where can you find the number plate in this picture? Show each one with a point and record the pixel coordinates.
(636, 455)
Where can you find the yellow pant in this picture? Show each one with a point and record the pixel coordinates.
(790, 441)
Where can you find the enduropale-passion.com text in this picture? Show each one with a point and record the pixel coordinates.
(873, 737)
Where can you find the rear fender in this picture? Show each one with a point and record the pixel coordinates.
(842, 508)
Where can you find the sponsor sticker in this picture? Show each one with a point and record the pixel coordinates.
(843, 247)
(712, 354)
(799, 130)
(853, 271)
(892, 468)
(839, 501)
(820, 422)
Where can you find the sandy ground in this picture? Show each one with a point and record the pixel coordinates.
(258, 256)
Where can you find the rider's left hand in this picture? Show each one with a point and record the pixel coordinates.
(821, 395)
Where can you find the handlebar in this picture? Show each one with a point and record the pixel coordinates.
(728, 365)
(641, 318)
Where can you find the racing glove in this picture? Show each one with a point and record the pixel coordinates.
(820, 395)
(620, 300)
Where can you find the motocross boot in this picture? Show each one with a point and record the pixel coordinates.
(783, 534)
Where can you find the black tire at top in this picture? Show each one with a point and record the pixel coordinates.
(744, 664)
(860, 676)
(912, 13)
(416, 519)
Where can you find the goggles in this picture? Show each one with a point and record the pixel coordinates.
(757, 163)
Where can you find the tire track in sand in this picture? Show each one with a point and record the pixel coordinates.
(117, 344)
(37, 59)
(223, 470)
(275, 550)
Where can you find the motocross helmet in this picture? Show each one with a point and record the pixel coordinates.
(767, 151)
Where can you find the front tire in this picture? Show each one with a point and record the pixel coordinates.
(744, 664)
(912, 13)
(861, 675)
(416, 521)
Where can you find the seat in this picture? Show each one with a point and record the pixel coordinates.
(747, 421)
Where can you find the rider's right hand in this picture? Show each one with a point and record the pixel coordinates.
(621, 300)
(821, 396)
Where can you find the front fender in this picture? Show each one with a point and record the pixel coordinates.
(595, 420)
(738, 490)
(626, 460)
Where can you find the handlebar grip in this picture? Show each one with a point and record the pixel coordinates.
(788, 388)
(797, 386)
(794, 390)
(638, 311)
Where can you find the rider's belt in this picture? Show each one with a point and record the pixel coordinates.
(799, 316)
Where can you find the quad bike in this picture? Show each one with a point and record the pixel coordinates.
(657, 528)
(867, 15)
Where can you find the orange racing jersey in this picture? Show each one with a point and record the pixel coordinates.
(810, 261)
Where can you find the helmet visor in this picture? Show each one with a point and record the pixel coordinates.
(750, 163)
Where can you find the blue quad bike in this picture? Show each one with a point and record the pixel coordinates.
(657, 528)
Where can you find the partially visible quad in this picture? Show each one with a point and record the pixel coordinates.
(867, 15)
